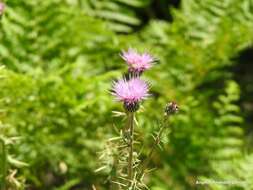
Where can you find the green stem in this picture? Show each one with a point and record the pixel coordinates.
(131, 146)
(3, 164)
(155, 143)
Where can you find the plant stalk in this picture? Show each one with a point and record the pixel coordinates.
(131, 146)
(155, 143)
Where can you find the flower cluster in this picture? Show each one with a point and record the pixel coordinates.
(133, 90)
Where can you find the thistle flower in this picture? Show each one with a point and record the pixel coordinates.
(137, 62)
(130, 92)
(2, 7)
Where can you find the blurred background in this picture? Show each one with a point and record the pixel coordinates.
(60, 57)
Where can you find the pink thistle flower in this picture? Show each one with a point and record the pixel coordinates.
(2, 7)
(130, 92)
(137, 62)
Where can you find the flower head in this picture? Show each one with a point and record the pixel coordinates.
(130, 92)
(2, 7)
(137, 62)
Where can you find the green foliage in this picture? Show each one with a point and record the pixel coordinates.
(228, 124)
(48, 40)
(120, 14)
(56, 136)
(61, 56)
(227, 140)
(8, 164)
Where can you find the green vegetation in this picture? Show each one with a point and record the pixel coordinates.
(60, 57)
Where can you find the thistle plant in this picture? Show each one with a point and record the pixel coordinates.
(127, 169)
(130, 92)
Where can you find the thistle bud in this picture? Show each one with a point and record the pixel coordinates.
(171, 108)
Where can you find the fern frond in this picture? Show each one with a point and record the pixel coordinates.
(120, 14)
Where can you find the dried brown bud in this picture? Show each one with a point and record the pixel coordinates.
(171, 108)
